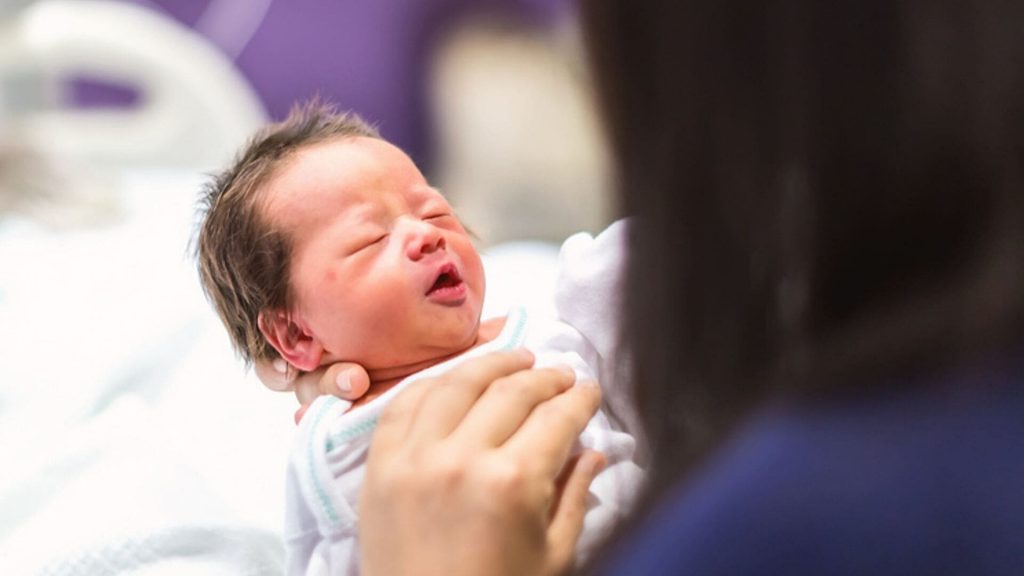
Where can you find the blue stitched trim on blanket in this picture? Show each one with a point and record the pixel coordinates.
(325, 502)
(350, 433)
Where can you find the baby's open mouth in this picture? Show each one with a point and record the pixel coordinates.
(447, 278)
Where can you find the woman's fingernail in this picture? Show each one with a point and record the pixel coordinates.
(589, 383)
(280, 366)
(344, 382)
(566, 369)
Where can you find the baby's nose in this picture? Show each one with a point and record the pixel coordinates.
(422, 239)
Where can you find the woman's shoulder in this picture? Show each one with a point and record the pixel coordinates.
(923, 480)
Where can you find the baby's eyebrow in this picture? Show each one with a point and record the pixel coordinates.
(426, 191)
(426, 198)
(363, 212)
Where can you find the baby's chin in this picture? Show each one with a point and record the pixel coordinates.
(410, 356)
(401, 367)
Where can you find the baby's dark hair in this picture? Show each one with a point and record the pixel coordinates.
(243, 260)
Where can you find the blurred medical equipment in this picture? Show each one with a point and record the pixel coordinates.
(194, 108)
(59, 161)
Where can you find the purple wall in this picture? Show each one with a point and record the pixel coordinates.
(367, 55)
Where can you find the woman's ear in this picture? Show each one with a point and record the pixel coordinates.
(300, 347)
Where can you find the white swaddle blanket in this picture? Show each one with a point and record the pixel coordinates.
(328, 460)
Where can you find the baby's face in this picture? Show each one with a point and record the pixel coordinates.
(382, 272)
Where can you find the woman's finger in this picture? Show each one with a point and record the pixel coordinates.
(307, 386)
(463, 386)
(549, 433)
(276, 374)
(505, 405)
(345, 380)
(300, 413)
(452, 394)
(569, 508)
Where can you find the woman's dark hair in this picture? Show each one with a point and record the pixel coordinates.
(828, 195)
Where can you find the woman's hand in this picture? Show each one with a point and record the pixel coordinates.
(469, 473)
(344, 380)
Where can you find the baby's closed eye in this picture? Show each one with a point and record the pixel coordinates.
(368, 243)
(376, 240)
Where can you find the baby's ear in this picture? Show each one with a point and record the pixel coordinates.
(293, 342)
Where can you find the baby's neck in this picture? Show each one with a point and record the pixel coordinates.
(383, 379)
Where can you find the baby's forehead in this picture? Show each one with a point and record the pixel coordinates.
(364, 179)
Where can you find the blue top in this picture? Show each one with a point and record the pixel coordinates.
(909, 480)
